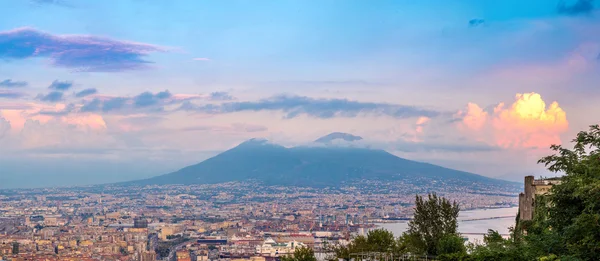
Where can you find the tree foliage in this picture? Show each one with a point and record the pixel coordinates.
(15, 248)
(378, 240)
(492, 237)
(434, 219)
(565, 225)
(432, 231)
(566, 222)
(301, 254)
(496, 248)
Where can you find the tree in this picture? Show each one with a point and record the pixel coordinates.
(452, 244)
(492, 237)
(497, 248)
(566, 222)
(380, 240)
(377, 240)
(434, 219)
(15, 248)
(301, 254)
(569, 224)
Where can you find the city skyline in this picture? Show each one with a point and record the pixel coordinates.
(106, 91)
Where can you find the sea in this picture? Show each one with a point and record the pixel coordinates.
(472, 224)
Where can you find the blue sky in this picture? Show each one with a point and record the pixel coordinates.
(148, 86)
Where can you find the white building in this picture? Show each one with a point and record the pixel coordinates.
(273, 249)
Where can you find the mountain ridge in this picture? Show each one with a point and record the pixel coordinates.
(273, 164)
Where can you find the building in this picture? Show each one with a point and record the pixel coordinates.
(183, 255)
(532, 188)
(253, 258)
(148, 256)
(169, 231)
(140, 222)
(212, 240)
(271, 248)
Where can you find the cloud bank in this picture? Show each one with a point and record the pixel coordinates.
(8, 83)
(145, 100)
(294, 106)
(79, 52)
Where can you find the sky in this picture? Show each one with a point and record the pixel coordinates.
(102, 91)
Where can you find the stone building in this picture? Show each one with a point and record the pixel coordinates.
(533, 187)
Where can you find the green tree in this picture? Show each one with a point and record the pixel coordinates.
(434, 219)
(380, 240)
(301, 254)
(497, 248)
(568, 224)
(15, 248)
(377, 240)
(492, 237)
(452, 244)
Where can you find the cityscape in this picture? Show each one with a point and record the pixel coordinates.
(299, 130)
(235, 220)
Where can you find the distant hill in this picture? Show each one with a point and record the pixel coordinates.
(309, 166)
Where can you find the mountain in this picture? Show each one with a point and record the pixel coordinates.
(308, 166)
(338, 136)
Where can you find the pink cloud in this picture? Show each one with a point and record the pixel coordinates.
(474, 117)
(18, 117)
(421, 122)
(527, 123)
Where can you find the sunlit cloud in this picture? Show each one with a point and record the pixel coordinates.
(93, 121)
(421, 121)
(419, 128)
(474, 117)
(46, 113)
(527, 123)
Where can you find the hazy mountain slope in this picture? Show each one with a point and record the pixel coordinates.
(308, 166)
